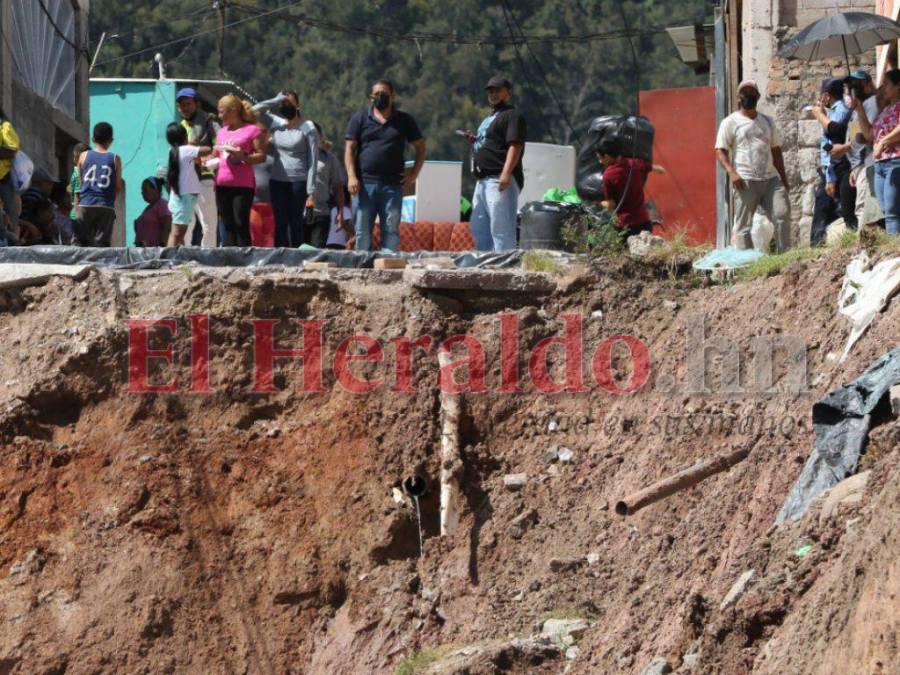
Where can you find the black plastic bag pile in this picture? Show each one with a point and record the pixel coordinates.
(636, 136)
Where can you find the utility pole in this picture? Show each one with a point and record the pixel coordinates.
(219, 6)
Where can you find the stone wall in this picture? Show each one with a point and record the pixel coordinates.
(788, 86)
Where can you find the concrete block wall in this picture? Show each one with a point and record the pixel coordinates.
(788, 86)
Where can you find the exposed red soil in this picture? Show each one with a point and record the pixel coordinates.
(257, 533)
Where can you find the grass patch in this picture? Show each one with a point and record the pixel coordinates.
(881, 240)
(848, 239)
(676, 254)
(593, 233)
(770, 265)
(535, 261)
(417, 661)
(678, 248)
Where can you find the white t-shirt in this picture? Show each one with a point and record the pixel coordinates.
(749, 143)
(336, 235)
(188, 180)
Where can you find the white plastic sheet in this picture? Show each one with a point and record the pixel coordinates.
(865, 292)
(22, 170)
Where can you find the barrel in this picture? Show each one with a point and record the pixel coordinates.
(542, 224)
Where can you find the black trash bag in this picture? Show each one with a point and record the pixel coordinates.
(543, 222)
(635, 133)
(841, 422)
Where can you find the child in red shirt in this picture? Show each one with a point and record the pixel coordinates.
(623, 185)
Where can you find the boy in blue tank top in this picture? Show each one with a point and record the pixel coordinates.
(101, 181)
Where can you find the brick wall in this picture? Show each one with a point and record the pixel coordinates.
(788, 86)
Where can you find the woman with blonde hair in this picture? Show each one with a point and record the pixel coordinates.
(239, 145)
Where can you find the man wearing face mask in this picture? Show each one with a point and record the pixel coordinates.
(295, 147)
(202, 132)
(749, 148)
(498, 148)
(376, 141)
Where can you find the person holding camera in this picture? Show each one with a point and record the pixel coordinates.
(833, 114)
(861, 155)
(748, 147)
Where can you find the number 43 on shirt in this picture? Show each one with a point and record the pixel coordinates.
(104, 179)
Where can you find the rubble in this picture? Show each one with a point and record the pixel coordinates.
(658, 666)
(557, 629)
(515, 481)
(737, 589)
(308, 542)
(641, 244)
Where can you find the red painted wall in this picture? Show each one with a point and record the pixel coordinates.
(685, 196)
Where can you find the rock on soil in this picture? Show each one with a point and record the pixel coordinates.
(235, 549)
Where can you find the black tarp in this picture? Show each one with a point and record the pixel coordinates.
(841, 422)
(157, 258)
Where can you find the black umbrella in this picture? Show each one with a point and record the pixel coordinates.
(841, 35)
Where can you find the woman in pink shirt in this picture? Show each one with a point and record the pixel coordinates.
(239, 145)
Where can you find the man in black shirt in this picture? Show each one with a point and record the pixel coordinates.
(374, 158)
(498, 148)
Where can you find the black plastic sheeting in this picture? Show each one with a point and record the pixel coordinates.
(635, 133)
(841, 421)
(159, 258)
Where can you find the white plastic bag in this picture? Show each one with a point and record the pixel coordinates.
(762, 231)
(865, 293)
(22, 169)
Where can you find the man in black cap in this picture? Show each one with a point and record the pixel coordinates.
(499, 145)
(201, 131)
(834, 117)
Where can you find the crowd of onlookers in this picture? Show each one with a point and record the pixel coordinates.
(858, 160)
(267, 153)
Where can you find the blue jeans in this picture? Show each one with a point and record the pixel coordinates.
(493, 221)
(382, 200)
(288, 204)
(887, 189)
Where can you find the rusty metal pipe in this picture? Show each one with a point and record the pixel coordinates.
(678, 482)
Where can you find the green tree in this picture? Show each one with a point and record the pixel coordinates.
(330, 52)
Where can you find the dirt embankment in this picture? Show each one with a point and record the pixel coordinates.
(238, 531)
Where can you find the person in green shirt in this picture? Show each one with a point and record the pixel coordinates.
(75, 179)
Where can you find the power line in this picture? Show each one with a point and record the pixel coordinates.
(118, 34)
(453, 38)
(543, 74)
(524, 69)
(195, 35)
(63, 36)
(204, 17)
(443, 38)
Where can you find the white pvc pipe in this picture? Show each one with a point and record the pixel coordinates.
(449, 456)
